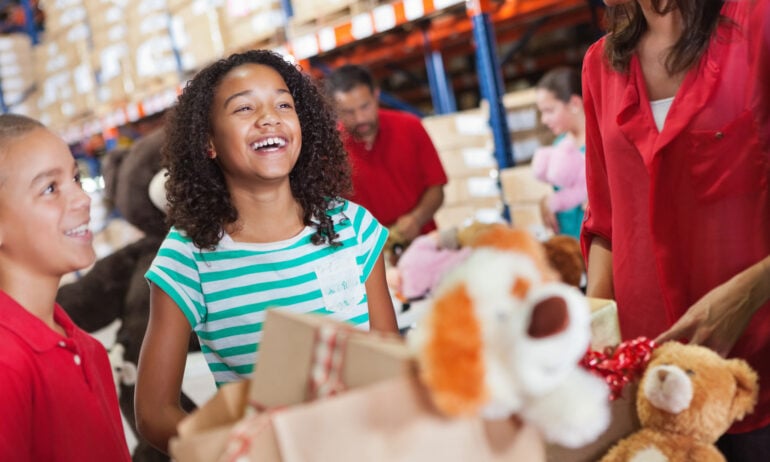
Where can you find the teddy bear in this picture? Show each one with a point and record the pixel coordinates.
(503, 336)
(115, 288)
(687, 398)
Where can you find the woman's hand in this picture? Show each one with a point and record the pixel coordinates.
(719, 318)
(549, 217)
(716, 321)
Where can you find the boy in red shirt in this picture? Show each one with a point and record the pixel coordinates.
(58, 398)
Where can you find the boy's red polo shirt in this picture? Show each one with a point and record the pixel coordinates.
(58, 396)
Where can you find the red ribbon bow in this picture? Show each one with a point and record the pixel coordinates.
(621, 364)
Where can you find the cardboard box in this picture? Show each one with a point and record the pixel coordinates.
(472, 189)
(260, 29)
(526, 215)
(605, 328)
(310, 10)
(451, 216)
(468, 161)
(459, 130)
(106, 15)
(196, 33)
(137, 10)
(64, 17)
(520, 186)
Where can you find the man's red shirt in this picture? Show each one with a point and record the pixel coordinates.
(390, 179)
(59, 402)
(689, 207)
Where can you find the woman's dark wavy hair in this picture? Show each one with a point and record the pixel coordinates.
(199, 202)
(626, 24)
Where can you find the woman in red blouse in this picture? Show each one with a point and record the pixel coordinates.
(677, 228)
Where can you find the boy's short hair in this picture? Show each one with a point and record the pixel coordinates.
(13, 126)
(347, 77)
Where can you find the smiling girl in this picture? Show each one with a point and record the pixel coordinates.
(256, 169)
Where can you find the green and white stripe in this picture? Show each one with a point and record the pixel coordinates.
(224, 293)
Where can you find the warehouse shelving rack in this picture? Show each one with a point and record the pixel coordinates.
(430, 31)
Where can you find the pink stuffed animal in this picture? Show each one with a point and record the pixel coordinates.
(424, 263)
(562, 165)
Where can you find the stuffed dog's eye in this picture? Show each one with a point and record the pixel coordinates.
(689, 372)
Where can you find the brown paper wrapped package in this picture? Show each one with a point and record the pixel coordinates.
(384, 416)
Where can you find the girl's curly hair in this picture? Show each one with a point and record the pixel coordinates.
(199, 202)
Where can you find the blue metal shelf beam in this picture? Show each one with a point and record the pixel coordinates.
(441, 90)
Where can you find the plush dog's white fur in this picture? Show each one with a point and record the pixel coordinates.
(531, 374)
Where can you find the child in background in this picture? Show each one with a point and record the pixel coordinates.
(256, 169)
(562, 164)
(58, 397)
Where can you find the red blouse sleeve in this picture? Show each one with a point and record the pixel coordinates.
(759, 27)
(598, 214)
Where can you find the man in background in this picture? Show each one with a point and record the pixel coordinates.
(397, 174)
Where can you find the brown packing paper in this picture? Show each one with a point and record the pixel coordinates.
(375, 420)
(390, 421)
(286, 352)
(394, 421)
(203, 434)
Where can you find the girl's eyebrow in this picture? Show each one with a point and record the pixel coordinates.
(246, 92)
(235, 95)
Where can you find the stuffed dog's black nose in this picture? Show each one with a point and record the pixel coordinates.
(549, 317)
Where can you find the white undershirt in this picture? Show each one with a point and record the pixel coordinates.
(660, 111)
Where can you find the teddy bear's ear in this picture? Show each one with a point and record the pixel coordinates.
(746, 388)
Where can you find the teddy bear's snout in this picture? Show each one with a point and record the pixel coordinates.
(668, 388)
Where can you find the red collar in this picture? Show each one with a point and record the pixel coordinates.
(30, 329)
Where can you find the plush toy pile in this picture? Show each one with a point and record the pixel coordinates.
(115, 287)
(503, 336)
(428, 258)
(688, 397)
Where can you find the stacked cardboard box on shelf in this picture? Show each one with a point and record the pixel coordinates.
(309, 15)
(127, 51)
(65, 75)
(196, 32)
(521, 190)
(17, 74)
(152, 47)
(466, 148)
(462, 140)
(111, 52)
(249, 24)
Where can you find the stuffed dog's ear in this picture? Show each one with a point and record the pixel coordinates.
(453, 358)
(747, 388)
